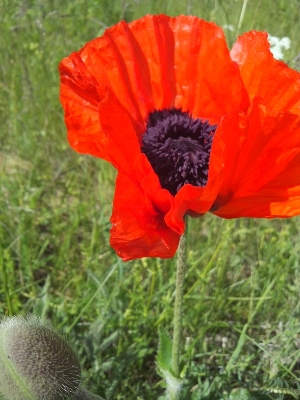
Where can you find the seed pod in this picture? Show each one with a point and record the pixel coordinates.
(36, 363)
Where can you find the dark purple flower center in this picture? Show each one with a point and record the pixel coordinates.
(178, 148)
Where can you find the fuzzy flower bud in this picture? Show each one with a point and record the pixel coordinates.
(36, 363)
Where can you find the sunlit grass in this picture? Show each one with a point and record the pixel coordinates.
(242, 306)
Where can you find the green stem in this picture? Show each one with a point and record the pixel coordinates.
(177, 323)
(5, 284)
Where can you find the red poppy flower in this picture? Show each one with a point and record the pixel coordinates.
(190, 126)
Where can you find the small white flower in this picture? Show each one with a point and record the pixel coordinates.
(277, 45)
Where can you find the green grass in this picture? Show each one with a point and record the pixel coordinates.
(242, 309)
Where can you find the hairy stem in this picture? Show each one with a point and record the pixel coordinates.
(177, 323)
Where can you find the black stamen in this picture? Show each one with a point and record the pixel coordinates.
(178, 148)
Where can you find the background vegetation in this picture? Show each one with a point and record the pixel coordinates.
(242, 303)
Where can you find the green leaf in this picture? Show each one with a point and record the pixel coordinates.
(164, 363)
(240, 394)
(164, 353)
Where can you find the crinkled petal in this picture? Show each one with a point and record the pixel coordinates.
(161, 198)
(122, 144)
(266, 203)
(264, 76)
(262, 167)
(208, 83)
(158, 62)
(80, 95)
(138, 229)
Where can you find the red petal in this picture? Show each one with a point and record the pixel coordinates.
(263, 75)
(159, 62)
(161, 198)
(268, 203)
(118, 61)
(82, 121)
(138, 229)
(76, 76)
(204, 70)
(156, 41)
(79, 95)
(262, 169)
(121, 143)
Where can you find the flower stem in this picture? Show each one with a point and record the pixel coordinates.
(177, 323)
